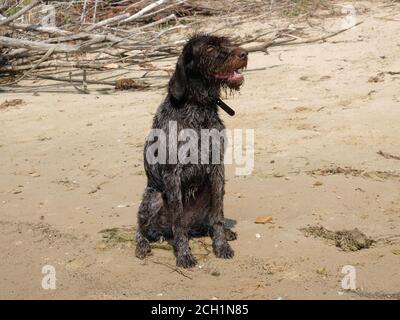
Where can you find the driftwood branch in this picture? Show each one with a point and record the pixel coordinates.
(292, 41)
(388, 155)
(144, 10)
(20, 12)
(323, 38)
(42, 59)
(36, 45)
(125, 17)
(39, 28)
(108, 22)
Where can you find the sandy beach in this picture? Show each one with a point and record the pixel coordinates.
(325, 117)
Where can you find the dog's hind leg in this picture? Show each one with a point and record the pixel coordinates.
(151, 204)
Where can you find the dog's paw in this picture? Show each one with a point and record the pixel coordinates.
(186, 260)
(224, 251)
(230, 235)
(143, 249)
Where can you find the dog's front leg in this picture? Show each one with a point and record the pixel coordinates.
(180, 222)
(221, 247)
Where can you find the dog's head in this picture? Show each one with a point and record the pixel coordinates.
(208, 60)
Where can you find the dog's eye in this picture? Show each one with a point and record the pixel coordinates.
(210, 49)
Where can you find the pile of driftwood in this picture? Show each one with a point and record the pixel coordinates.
(87, 41)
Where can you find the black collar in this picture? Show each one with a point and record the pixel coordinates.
(177, 103)
(225, 107)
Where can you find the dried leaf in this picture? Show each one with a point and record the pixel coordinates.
(263, 220)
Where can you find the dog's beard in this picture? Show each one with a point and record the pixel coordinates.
(231, 86)
(227, 91)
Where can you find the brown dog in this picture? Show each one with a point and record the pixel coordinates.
(183, 199)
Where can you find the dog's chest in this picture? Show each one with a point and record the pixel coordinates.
(201, 118)
(202, 145)
(203, 132)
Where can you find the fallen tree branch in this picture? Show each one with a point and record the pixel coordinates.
(54, 64)
(108, 21)
(144, 10)
(100, 82)
(272, 43)
(174, 269)
(39, 28)
(36, 45)
(173, 5)
(42, 59)
(20, 12)
(125, 17)
(388, 155)
(263, 47)
(323, 38)
(160, 21)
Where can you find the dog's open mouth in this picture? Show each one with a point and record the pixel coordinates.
(233, 77)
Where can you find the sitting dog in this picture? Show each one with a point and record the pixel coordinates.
(186, 199)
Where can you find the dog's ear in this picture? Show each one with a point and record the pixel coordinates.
(178, 83)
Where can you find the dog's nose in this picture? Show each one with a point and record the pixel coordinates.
(242, 54)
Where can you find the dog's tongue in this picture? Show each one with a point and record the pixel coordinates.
(235, 76)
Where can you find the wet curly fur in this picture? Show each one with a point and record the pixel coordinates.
(183, 200)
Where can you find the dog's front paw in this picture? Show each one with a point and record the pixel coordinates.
(186, 260)
(230, 235)
(224, 251)
(143, 249)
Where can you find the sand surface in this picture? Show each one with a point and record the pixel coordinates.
(71, 166)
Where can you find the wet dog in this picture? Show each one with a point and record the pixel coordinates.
(186, 199)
